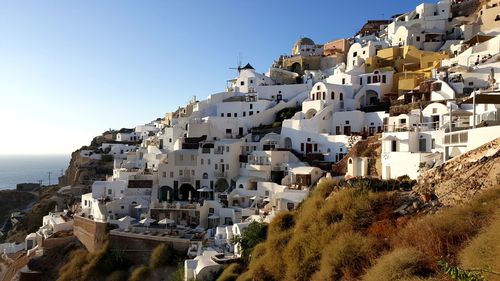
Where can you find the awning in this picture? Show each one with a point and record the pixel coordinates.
(147, 221)
(204, 189)
(485, 98)
(166, 221)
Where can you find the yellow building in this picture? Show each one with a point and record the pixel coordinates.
(412, 65)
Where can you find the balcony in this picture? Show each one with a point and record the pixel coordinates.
(258, 167)
(186, 179)
(219, 174)
(217, 151)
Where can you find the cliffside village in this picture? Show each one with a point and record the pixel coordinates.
(423, 83)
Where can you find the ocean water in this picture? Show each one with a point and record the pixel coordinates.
(16, 169)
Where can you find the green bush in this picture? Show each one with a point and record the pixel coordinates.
(107, 158)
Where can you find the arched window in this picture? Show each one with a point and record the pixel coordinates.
(350, 160)
(205, 176)
(324, 95)
(333, 95)
(341, 96)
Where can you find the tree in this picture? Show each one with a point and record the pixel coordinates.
(252, 235)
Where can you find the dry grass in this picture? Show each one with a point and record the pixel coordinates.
(141, 273)
(483, 252)
(345, 257)
(443, 234)
(401, 264)
(230, 273)
(324, 236)
(340, 234)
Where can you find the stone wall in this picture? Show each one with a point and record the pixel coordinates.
(90, 233)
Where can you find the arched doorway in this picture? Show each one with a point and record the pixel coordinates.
(310, 113)
(184, 191)
(221, 185)
(287, 143)
(296, 67)
(165, 193)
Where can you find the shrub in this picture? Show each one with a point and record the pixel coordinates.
(401, 264)
(346, 256)
(230, 273)
(107, 158)
(140, 274)
(161, 256)
(118, 276)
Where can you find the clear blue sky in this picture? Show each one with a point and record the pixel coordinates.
(70, 70)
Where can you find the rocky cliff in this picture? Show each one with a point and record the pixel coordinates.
(459, 179)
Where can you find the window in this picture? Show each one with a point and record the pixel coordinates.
(170, 140)
(343, 81)
(236, 115)
(250, 113)
(222, 115)
(192, 157)
(355, 54)
(229, 115)
(317, 87)
(360, 80)
(341, 96)
(347, 121)
(251, 106)
(192, 172)
(324, 95)
(369, 80)
(122, 207)
(384, 79)
(394, 146)
(418, 39)
(202, 160)
(244, 113)
(227, 148)
(242, 83)
(110, 191)
(180, 172)
(171, 174)
(251, 81)
(434, 110)
(209, 161)
(164, 174)
(216, 166)
(433, 143)
(333, 95)
(227, 167)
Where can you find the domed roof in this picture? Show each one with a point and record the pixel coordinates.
(304, 41)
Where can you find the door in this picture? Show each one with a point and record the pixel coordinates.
(308, 147)
(422, 145)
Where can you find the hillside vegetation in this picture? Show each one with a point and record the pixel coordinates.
(353, 233)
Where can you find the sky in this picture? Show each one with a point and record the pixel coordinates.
(70, 70)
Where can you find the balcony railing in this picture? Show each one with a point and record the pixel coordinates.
(218, 151)
(185, 179)
(219, 174)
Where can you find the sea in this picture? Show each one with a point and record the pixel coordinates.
(16, 169)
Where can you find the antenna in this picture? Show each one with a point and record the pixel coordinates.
(238, 63)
